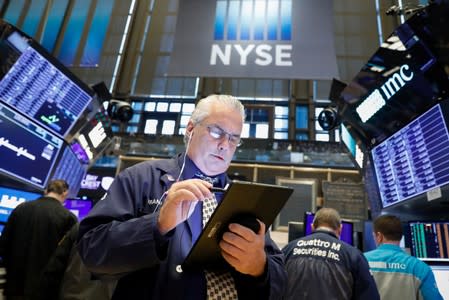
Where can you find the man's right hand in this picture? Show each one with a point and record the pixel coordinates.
(180, 202)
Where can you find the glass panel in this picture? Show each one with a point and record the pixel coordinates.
(53, 25)
(33, 17)
(150, 106)
(136, 105)
(245, 131)
(262, 131)
(168, 127)
(188, 108)
(150, 126)
(73, 32)
(162, 106)
(281, 135)
(175, 107)
(97, 33)
(302, 115)
(324, 137)
(280, 124)
(131, 129)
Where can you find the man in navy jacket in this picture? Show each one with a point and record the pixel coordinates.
(320, 266)
(144, 228)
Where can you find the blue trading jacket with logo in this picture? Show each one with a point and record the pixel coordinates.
(401, 276)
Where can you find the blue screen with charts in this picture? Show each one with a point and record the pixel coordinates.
(28, 152)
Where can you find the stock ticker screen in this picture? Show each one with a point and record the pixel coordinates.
(37, 85)
(429, 240)
(415, 159)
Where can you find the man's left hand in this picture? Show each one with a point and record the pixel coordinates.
(244, 249)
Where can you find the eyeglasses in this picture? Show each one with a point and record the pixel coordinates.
(218, 134)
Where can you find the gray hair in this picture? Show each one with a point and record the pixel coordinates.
(203, 107)
(327, 217)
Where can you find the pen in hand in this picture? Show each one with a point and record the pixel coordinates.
(217, 190)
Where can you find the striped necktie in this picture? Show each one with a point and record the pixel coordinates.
(220, 286)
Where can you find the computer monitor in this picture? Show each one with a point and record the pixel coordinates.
(28, 152)
(79, 207)
(415, 159)
(295, 230)
(428, 240)
(346, 232)
(38, 85)
(10, 198)
(71, 169)
(93, 137)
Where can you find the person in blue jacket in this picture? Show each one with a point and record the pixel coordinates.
(152, 214)
(398, 275)
(322, 267)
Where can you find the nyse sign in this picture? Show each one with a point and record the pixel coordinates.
(261, 54)
(377, 99)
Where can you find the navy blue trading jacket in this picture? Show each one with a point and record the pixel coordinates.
(119, 238)
(320, 266)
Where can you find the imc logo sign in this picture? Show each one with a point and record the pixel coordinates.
(255, 31)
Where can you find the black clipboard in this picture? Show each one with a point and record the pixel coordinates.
(241, 198)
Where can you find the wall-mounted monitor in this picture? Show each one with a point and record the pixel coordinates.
(38, 85)
(428, 240)
(415, 160)
(79, 207)
(28, 152)
(347, 232)
(10, 198)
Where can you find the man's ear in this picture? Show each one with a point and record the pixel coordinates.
(189, 129)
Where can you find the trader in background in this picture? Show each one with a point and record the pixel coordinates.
(398, 275)
(320, 266)
(30, 236)
(153, 213)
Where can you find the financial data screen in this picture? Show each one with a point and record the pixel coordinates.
(71, 170)
(27, 151)
(414, 160)
(430, 240)
(38, 88)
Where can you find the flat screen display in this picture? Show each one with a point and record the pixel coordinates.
(415, 159)
(28, 152)
(37, 85)
(71, 169)
(429, 240)
(346, 232)
(96, 182)
(10, 198)
(93, 138)
(79, 207)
